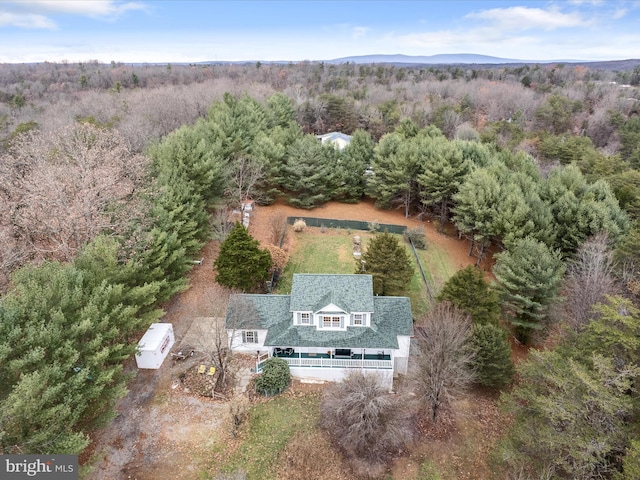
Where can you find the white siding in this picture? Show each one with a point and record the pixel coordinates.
(338, 374)
(236, 343)
(401, 356)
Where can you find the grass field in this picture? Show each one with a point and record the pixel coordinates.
(268, 430)
(331, 252)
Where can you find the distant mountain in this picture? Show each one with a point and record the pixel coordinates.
(442, 59)
(486, 61)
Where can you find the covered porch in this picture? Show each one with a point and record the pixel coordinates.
(332, 358)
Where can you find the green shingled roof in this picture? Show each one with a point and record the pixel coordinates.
(312, 292)
(391, 315)
(257, 311)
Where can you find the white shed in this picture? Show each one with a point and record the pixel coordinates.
(155, 345)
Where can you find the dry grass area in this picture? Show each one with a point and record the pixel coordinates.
(265, 217)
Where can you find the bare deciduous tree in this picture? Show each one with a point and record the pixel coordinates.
(365, 421)
(210, 336)
(238, 412)
(589, 279)
(245, 174)
(62, 190)
(12, 254)
(222, 222)
(277, 225)
(442, 370)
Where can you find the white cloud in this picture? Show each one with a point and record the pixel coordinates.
(25, 20)
(598, 45)
(523, 18)
(619, 13)
(586, 2)
(359, 32)
(89, 8)
(36, 13)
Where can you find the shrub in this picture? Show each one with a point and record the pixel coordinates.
(492, 361)
(279, 258)
(417, 236)
(365, 421)
(299, 225)
(275, 377)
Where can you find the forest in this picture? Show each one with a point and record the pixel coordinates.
(112, 178)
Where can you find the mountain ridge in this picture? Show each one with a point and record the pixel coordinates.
(440, 59)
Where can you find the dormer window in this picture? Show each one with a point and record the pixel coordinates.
(358, 319)
(305, 319)
(331, 322)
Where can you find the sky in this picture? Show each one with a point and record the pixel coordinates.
(132, 31)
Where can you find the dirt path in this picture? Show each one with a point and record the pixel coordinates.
(159, 432)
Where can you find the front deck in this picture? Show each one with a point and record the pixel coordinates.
(323, 360)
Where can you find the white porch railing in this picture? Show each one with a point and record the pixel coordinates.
(338, 363)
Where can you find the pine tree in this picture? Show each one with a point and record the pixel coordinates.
(443, 171)
(241, 264)
(395, 169)
(528, 276)
(353, 161)
(476, 207)
(63, 338)
(309, 175)
(570, 419)
(492, 361)
(188, 155)
(581, 210)
(389, 264)
(469, 291)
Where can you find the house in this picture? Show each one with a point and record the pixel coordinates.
(338, 139)
(328, 325)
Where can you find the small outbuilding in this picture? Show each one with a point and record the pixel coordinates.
(155, 345)
(338, 139)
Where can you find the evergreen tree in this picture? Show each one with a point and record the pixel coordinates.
(275, 377)
(389, 264)
(241, 264)
(492, 362)
(570, 418)
(395, 168)
(187, 155)
(352, 164)
(528, 276)
(178, 208)
(281, 111)
(63, 337)
(469, 291)
(630, 139)
(476, 154)
(631, 465)
(581, 210)
(99, 262)
(615, 334)
(476, 207)
(443, 169)
(235, 122)
(309, 174)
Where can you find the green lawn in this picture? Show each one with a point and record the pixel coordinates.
(270, 426)
(317, 252)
